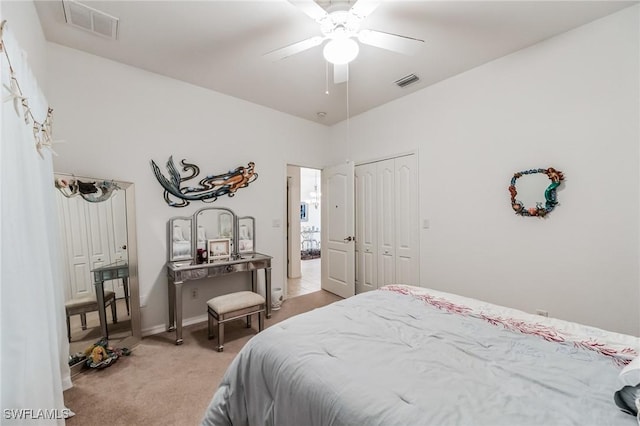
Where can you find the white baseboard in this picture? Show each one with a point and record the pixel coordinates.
(157, 329)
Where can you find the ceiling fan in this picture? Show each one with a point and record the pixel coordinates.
(341, 26)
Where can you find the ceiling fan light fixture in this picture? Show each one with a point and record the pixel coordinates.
(340, 51)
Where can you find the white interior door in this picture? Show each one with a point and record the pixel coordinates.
(338, 231)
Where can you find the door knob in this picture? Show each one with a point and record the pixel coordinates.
(349, 238)
(124, 247)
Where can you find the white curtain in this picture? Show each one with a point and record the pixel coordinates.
(34, 351)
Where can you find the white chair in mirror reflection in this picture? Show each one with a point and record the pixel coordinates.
(82, 306)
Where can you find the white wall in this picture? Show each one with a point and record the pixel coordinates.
(116, 118)
(570, 102)
(23, 20)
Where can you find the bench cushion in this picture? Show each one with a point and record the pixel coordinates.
(88, 301)
(235, 301)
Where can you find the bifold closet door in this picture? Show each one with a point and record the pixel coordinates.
(72, 217)
(94, 235)
(387, 233)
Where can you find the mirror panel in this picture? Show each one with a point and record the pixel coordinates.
(180, 239)
(213, 223)
(531, 189)
(246, 234)
(98, 229)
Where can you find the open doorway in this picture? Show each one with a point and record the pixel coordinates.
(303, 230)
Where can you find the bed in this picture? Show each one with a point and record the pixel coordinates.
(406, 355)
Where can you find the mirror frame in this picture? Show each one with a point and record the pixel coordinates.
(253, 234)
(551, 200)
(132, 261)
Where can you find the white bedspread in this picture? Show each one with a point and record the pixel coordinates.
(410, 356)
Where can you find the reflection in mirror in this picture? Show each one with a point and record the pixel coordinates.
(246, 239)
(213, 223)
(96, 232)
(180, 247)
(531, 189)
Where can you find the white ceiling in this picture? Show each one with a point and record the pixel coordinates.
(219, 45)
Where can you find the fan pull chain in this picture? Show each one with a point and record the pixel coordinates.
(326, 77)
(348, 119)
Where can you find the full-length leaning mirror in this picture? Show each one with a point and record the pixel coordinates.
(97, 223)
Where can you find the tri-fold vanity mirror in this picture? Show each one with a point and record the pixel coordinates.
(212, 233)
(98, 255)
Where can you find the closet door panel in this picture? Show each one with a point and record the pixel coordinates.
(117, 235)
(385, 174)
(117, 231)
(404, 271)
(366, 270)
(98, 217)
(406, 226)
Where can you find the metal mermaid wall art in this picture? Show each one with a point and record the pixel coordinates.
(208, 189)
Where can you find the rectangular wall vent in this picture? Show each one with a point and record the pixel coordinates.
(90, 19)
(407, 80)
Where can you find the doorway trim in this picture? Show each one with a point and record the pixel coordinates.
(288, 210)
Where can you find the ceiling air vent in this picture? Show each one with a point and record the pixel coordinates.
(90, 19)
(407, 80)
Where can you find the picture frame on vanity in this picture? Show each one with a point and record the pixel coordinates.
(218, 249)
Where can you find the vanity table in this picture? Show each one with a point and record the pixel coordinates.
(179, 273)
(186, 236)
(112, 271)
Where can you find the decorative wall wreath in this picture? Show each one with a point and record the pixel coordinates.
(550, 195)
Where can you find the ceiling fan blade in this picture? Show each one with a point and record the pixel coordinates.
(310, 8)
(393, 42)
(292, 49)
(364, 8)
(340, 73)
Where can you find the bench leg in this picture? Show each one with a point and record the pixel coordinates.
(260, 321)
(114, 311)
(248, 321)
(68, 328)
(209, 325)
(220, 346)
(83, 321)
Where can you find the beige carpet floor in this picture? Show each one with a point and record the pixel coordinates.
(165, 384)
